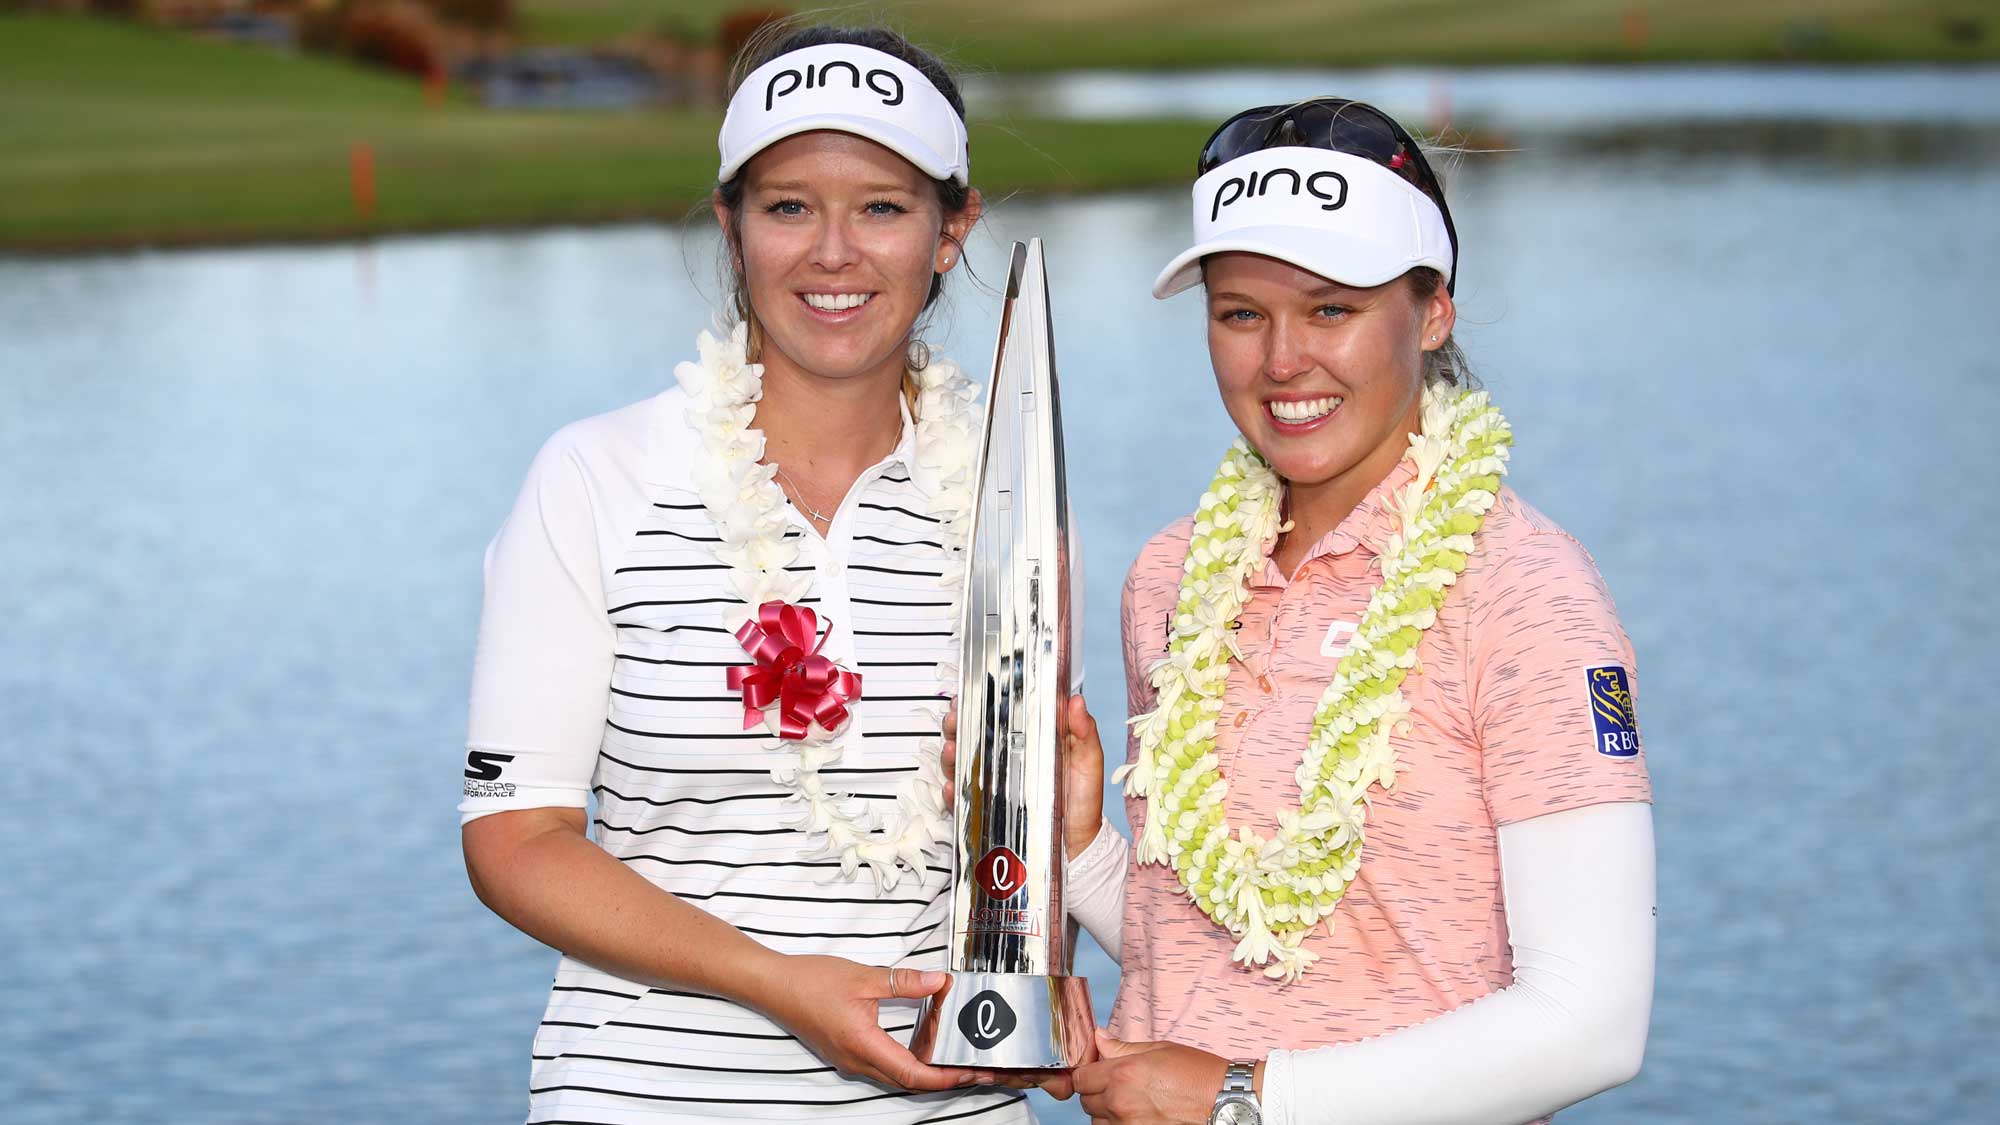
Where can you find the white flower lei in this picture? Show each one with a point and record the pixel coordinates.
(1270, 891)
(748, 509)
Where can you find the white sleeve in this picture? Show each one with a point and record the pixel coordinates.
(1094, 888)
(541, 674)
(1579, 899)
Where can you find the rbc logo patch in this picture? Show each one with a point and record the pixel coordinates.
(1611, 711)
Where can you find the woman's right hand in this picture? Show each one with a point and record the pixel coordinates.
(831, 1004)
(1083, 774)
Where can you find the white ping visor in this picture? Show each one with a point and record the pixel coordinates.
(1343, 217)
(849, 89)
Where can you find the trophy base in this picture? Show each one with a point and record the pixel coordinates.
(1008, 1021)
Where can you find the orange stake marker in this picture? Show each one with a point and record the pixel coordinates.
(1637, 29)
(361, 179)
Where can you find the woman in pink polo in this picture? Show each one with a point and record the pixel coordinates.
(1454, 922)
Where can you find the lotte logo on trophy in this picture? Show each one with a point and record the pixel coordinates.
(1012, 1002)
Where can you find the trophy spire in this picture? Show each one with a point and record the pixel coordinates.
(1012, 1002)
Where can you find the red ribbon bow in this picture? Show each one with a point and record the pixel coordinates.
(784, 641)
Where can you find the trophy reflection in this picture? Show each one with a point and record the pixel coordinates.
(1012, 1002)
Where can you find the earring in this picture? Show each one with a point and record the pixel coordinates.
(918, 355)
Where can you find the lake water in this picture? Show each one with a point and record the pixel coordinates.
(1513, 97)
(245, 492)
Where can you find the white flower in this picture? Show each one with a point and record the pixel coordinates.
(1209, 632)
(1292, 959)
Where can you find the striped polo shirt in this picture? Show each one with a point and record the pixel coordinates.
(600, 674)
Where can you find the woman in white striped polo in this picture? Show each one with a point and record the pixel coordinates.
(727, 612)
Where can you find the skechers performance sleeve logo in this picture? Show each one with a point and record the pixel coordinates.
(822, 75)
(482, 774)
(1330, 187)
(484, 765)
(1612, 712)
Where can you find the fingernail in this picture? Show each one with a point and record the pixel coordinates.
(934, 980)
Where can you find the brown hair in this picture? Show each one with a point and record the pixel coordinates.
(782, 37)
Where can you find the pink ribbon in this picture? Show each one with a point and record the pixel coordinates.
(784, 641)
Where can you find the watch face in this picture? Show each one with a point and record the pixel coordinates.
(1236, 1111)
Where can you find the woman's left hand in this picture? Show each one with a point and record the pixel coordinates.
(1149, 1083)
(1083, 775)
(1083, 779)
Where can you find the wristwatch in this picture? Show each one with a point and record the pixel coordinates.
(1237, 1103)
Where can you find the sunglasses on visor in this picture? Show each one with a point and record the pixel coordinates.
(1337, 125)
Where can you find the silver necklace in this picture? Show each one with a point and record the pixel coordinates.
(799, 496)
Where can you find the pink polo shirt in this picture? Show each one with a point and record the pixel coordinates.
(1521, 706)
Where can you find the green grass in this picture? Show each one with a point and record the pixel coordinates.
(1059, 34)
(115, 135)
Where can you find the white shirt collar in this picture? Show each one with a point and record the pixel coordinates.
(675, 444)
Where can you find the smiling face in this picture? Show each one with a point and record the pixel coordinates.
(1325, 380)
(838, 239)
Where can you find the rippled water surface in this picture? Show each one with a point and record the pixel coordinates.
(1523, 96)
(245, 494)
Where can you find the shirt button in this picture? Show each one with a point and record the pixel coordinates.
(1264, 682)
(1241, 718)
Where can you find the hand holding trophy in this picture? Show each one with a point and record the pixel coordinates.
(1012, 1003)
(1083, 775)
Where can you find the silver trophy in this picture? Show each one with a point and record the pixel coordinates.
(1011, 1002)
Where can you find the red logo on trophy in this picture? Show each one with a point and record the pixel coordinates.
(1001, 873)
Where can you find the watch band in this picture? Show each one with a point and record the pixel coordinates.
(1239, 1086)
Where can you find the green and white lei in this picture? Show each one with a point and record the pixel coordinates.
(1270, 891)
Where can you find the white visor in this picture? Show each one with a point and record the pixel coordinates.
(849, 89)
(1345, 218)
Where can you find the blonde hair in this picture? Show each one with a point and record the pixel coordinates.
(1445, 364)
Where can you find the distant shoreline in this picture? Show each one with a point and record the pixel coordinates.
(1046, 35)
(191, 241)
(118, 136)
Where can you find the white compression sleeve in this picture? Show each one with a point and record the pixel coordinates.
(1094, 888)
(1579, 899)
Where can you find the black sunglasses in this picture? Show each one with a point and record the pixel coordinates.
(1337, 125)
